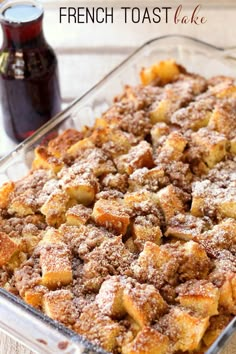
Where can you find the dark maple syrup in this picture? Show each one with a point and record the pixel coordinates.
(29, 85)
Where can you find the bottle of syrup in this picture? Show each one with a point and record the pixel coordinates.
(29, 86)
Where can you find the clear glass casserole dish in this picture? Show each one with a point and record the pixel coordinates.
(21, 321)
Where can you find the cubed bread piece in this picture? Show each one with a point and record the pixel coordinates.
(55, 207)
(141, 202)
(170, 201)
(196, 264)
(196, 115)
(173, 147)
(226, 205)
(177, 141)
(22, 204)
(45, 160)
(223, 119)
(17, 259)
(7, 248)
(200, 296)
(5, 191)
(59, 145)
(212, 198)
(52, 236)
(79, 183)
(116, 181)
(96, 160)
(148, 341)
(153, 256)
(56, 265)
(34, 296)
(161, 72)
(143, 303)
(161, 113)
(186, 226)
(146, 228)
(217, 324)
(158, 131)
(227, 299)
(110, 297)
(225, 90)
(152, 179)
(59, 306)
(99, 328)
(212, 145)
(221, 237)
(113, 140)
(77, 215)
(81, 145)
(174, 96)
(139, 156)
(233, 146)
(187, 330)
(111, 214)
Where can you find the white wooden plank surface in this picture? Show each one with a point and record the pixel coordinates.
(87, 52)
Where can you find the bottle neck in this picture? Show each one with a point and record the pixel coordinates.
(23, 35)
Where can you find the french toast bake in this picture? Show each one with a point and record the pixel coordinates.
(126, 232)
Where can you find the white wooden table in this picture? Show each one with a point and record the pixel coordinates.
(86, 52)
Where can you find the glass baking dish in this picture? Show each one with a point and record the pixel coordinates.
(21, 321)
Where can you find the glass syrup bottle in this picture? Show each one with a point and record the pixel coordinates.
(29, 85)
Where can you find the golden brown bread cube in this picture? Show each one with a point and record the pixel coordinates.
(79, 183)
(188, 329)
(45, 160)
(223, 119)
(225, 90)
(113, 140)
(212, 145)
(199, 296)
(111, 214)
(52, 236)
(173, 147)
(211, 197)
(149, 179)
(170, 201)
(77, 215)
(135, 200)
(5, 191)
(55, 207)
(59, 145)
(233, 146)
(34, 296)
(162, 72)
(148, 341)
(110, 297)
(227, 299)
(81, 145)
(146, 228)
(185, 227)
(7, 248)
(55, 261)
(153, 256)
(22, 204)
(226, 206)
(59, 306)
(99, 328)
(158, 131)
(217, 324)
(138, 156)
(143, 303)
(162, 112)
(196, 262)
